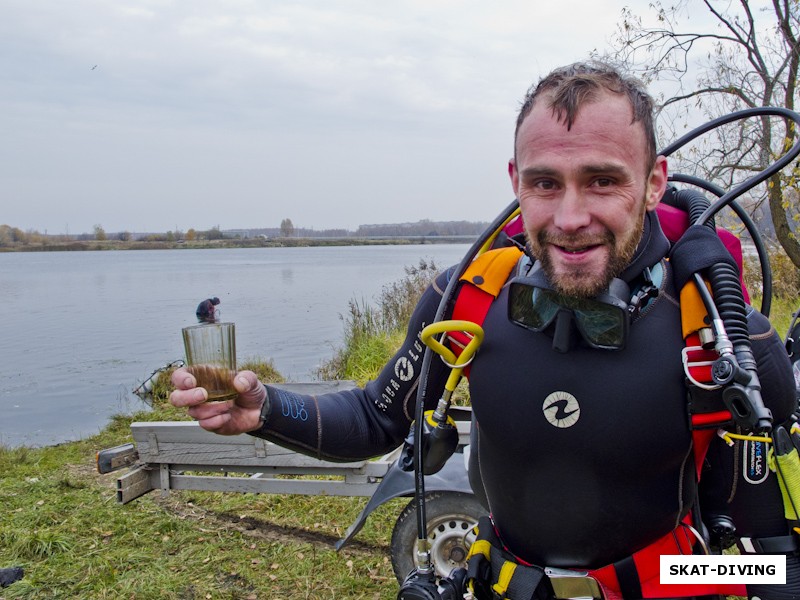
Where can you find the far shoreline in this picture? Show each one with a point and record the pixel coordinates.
(277, 242)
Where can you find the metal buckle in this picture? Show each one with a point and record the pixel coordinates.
(749, 545)
(573, 585)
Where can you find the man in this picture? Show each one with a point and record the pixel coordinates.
(582, 455)
(207, 310)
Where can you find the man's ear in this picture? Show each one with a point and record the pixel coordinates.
(656, 183)
(512, 173)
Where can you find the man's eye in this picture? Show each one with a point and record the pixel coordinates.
(603, 182)
(544, 184)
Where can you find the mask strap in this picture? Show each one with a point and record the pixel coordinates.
(562, 336)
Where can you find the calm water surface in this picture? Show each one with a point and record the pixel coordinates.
(82, 329)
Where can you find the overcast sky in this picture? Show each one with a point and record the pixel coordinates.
(152, 115)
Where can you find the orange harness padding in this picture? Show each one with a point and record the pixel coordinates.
(481, 284)
(638, 575)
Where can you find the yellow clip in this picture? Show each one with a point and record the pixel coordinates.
(480, 547)
(456, 363)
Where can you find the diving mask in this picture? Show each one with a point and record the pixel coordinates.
(602, 321)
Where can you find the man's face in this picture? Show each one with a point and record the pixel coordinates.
(583, 192)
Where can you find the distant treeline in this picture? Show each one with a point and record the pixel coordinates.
(424, 228)
(14, 238)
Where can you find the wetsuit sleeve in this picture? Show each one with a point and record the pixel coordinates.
(361, 423)
(774, 367)
(737, 484)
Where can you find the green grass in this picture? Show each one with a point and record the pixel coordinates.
(372, 334)
(781, 313)
(61, 523)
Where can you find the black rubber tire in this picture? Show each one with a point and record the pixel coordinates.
(450, 517)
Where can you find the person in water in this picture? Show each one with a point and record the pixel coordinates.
(581, 446)
(207, 310)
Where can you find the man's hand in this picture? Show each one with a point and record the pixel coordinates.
(240, 415)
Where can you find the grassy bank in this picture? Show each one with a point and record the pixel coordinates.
(60, 522)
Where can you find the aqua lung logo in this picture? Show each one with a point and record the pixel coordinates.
(561, 409)
(403, 369)
(403, 373)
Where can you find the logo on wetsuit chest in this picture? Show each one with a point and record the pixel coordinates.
(561, 409)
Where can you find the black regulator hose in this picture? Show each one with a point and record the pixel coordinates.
(788, 156)
(749, 225)
(444, 306)
(743, 391)
(723, 277)
(736, 370)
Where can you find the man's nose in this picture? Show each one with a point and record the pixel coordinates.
(572, 212)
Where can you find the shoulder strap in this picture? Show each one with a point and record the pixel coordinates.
(705, 416)
(481, 284)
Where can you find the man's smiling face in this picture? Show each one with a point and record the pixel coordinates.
(583, 191)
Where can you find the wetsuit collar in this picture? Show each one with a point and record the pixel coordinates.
(653, 246)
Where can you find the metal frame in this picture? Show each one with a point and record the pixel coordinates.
(179, 455)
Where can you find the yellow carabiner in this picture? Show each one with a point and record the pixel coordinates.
(456, 363)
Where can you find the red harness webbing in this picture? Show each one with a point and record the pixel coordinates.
(647, 563)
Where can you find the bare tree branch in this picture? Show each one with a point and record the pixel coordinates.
(752, 59)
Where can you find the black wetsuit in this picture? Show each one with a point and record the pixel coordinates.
(621, 475)
(206, 309)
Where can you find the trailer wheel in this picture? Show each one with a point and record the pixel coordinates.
(450, 516)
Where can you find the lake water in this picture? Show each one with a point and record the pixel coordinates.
(82, 329)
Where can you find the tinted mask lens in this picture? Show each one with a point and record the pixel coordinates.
(602, 321)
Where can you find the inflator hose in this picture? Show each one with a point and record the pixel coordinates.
(728, 297)
(691, 202)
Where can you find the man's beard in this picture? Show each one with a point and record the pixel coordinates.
(583, 281)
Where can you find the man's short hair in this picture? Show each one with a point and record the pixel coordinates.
(572, 87)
